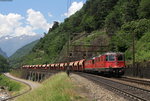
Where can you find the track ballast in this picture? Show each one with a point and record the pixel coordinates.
(127, 91)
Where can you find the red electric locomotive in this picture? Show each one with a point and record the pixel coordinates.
(108, 63)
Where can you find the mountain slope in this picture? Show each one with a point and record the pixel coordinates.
(99, 22)
(16, 57)
(49, 47)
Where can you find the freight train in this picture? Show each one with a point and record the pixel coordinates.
(110, 63)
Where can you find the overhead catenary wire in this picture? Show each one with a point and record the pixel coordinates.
(68, 43)
(68, 5)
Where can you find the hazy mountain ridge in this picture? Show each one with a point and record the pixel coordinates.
(24, 50)
(11, 44)
(16, 57)
(3, 53)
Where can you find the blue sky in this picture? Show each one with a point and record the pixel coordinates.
(23, 12)
(55, 7)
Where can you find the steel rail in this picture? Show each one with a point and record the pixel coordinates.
(113, 85)
(142, 82)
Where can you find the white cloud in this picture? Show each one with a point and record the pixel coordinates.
(6, 38)
(14, 25)
(8, 23)
(75, 6)
(37, 20)
(28, 30)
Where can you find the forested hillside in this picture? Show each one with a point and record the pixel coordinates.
(4, 65)
(112, 23)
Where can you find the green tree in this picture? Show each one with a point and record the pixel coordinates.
(138, 27)
(4, 65)
(88, 23)
(144, 9)
(55, 25)
(113, 22)
(130, 10)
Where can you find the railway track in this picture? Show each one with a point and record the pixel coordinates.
(12, 97)
(142, 82)
(129, 92)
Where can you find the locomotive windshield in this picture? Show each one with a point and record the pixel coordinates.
(110, 58)
(120, 57)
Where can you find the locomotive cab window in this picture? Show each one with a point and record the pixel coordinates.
(120, 57)
(110, 58)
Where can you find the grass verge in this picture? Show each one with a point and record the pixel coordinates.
(12, 86)
(57, 88)
(17, 73)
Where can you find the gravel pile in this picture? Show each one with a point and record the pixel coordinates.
(4, 95)
(93, 91)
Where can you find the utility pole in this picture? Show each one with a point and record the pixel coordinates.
(68, 55)
(133, 49)
(68, 43)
